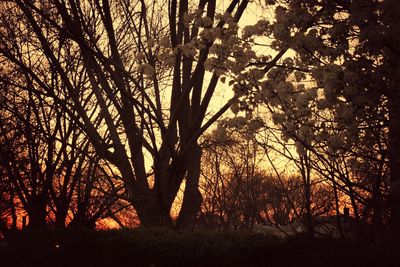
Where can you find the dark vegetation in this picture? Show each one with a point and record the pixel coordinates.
(164, 247)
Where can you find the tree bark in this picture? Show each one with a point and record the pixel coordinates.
(37, 211)
(192, 196)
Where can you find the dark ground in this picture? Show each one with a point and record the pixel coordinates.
(160, 247)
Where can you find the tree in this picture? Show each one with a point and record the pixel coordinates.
(233, 182)
(45, 161)
(131, 58)
(27, 155)
(347, 50)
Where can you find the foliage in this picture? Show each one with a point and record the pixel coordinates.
(162, 247)
(332, 92)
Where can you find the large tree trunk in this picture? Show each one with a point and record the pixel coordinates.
(155, 211)
(37, 211)
(13, 211)
(192, 196)
(61, 216)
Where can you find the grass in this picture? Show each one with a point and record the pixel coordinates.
(164, 247)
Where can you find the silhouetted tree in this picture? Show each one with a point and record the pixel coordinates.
(134, 53)
(337, 89)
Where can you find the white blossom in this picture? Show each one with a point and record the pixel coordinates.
(278, 118)
(151, 42)
(206, 22)
(168, 59)
(302, 99)
(220, 133)
(189, 50)
(235, 107)
(147, 69)
(140, 56)
(346, 113)
(305, 134)
(188, 18)
(236, 122)
(249, 31)
(254, 125)
(257, 74)
(299, 76)
(300, 148)
(335, 142)
(322, 136)
(165, 42)
(283, 88)
(324, 103)
(288, 130)
(207, 35)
